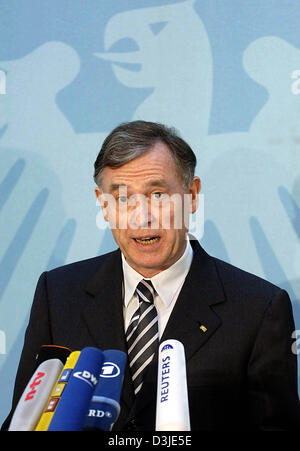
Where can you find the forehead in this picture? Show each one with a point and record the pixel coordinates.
(156, 164)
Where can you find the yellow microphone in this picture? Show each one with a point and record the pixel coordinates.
(57, 391)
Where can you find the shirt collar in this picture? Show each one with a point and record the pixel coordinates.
(166, 283)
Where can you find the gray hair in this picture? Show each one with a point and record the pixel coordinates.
(132, 139)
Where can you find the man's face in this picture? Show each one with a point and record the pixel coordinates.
(147, 207)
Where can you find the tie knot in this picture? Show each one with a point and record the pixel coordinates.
(145, 291)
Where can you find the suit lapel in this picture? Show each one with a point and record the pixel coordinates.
(193, 320)
(104, 313)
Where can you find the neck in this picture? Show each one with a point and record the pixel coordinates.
(148, 273)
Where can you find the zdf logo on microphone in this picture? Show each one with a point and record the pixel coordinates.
(110, 369)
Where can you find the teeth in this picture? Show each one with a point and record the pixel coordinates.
(147, 240)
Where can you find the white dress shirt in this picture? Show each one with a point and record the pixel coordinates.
(167, 284)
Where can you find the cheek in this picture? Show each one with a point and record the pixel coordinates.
(172, 214)
(124, 242)
(120, 238)
(175, 240)
(117, 216)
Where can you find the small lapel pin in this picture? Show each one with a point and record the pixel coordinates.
(203, 328)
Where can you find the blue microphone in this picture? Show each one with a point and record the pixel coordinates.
(73, 405)
(104, 407)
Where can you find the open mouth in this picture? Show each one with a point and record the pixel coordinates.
(147, 240)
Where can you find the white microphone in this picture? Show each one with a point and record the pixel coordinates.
(172, 405)
(35, 396)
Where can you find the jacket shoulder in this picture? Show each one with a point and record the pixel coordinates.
(80, 270)
(243, 283)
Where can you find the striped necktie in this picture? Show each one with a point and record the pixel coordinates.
(142, 334)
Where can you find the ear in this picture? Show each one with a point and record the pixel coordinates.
(102, 202)
(194, 190)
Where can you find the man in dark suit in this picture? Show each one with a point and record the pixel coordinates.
(235, 327)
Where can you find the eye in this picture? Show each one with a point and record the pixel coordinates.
(122, 199)
(157, 196)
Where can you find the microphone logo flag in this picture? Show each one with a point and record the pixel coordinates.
(36, 381)
(110, 369)
(65, 376)
(165, 347)
(51, 405)
(87, 377)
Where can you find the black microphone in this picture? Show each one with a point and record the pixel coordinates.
(52, 352)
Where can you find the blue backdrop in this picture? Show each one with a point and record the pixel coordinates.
(224, 72)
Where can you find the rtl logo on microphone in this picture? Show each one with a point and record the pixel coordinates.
(36, 381)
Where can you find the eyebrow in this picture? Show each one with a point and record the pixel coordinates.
(115, 186)
(157, 182)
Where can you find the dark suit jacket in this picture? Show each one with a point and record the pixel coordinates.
(241, 372)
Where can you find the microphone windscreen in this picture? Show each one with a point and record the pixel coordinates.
(35, 395)
(72, 407)
(57, 391)
(172, 405)
(48, 352)
(104, 407)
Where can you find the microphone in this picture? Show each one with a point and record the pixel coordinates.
(172, 405)
(55, 395)
(36, 393)
(104, 407)
(72, 407)
(52, 352)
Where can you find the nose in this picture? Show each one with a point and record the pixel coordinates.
(141, 215)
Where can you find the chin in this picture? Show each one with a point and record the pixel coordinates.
(146, 264)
